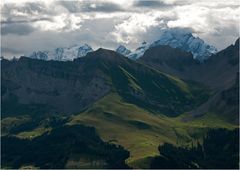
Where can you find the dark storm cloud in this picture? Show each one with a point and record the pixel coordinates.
(91, 33)
(90, 6)
(18, 29)
(11, 50)
(103, 7)
(30, 8)
(18, 19)
(151, 4)
(25, 20)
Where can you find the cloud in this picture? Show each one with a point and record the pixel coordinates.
(91, 33)
(40, 16)
(10, 21)
(18, 29)
(12, 50)
(90, 6)
(152, 4)
(60, 23)
(216, 24)
(26, 9)
(29, 25)
(134, 29)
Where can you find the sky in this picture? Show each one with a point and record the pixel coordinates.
(31, 25)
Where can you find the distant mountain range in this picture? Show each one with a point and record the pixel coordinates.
(175, 38)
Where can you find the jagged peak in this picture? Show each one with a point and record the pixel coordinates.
(185, 40)
(178, 38)
(123, 50)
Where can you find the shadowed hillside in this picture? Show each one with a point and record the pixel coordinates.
(35, 86)
(218, 151)
(220, 73)
(64, 147)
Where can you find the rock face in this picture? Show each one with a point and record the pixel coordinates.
(63, 54)
(70, 87)
(49, 86)
(181, 39)
(123, 50)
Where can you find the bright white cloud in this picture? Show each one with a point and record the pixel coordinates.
(60, 23)
(190, 17)
(126, 31)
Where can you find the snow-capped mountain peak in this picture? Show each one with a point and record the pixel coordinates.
(178, 38)
(42, 55)
(123, 50)
(184, 39)
(83, 50)
(63, 53)
(139, 51)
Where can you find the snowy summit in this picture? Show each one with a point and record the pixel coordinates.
(63, 54)
(178, 38)
(123, 50)
(183, 39)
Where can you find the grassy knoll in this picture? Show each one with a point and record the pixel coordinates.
(141, 131)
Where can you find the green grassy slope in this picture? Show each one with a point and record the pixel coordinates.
(139, 130)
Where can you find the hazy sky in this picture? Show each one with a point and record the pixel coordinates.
(28, 25)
